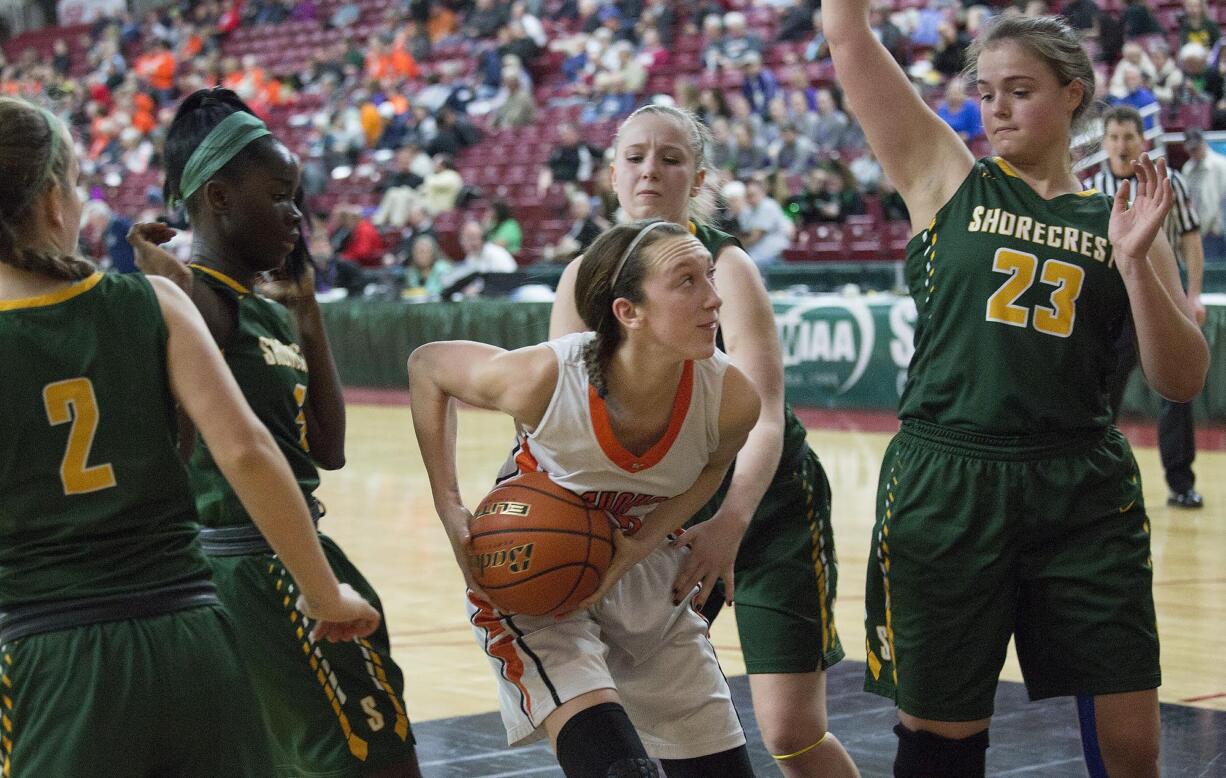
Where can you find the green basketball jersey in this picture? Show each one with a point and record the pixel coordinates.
(94, 500)
(1018, 302)
(793, 431)
(272, 373)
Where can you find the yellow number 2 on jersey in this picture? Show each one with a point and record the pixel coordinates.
(74, 401)
(1021, 267)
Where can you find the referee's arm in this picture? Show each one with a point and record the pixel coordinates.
(1190, 247)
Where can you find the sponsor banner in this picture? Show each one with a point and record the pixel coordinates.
(845, 351)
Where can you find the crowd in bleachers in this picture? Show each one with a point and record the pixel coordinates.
(420, 117)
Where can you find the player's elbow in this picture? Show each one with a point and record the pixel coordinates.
(1185, 379)
(250, 449)
(420, 365)
(329, 460)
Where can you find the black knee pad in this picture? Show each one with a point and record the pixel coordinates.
(641, 767)
(600, 742)
(733, 763)
(925, 755)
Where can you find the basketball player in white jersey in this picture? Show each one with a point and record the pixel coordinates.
(642, 416)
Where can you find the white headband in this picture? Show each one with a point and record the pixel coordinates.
(630, 249)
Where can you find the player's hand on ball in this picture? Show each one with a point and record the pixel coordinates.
(713, 545)
(456, 520)
(349, 616)
(628, 551)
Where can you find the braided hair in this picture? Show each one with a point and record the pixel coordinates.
(596, 287)
(34, 157)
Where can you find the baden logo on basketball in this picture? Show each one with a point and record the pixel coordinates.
(507, 507)
(517, 559)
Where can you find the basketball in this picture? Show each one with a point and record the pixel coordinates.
(538, 548)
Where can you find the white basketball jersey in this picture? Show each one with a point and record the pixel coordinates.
(575, 445)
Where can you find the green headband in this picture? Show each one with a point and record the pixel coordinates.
(231, 136)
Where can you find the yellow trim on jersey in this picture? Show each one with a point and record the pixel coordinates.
(1008, 170)
(1005, 167)
(53, 298)
(222, 277)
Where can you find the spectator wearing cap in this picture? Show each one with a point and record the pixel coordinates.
(960, 112)
(1195, 27)
(738, 41)
(759, 85)
(1205, 172)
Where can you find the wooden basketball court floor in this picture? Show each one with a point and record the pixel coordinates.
(380, 511)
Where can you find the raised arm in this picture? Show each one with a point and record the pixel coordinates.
(919, 153)
(519, 383)
(249, 458)
(1170, 347)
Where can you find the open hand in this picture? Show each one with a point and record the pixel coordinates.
(713, 545)
(1132, 229)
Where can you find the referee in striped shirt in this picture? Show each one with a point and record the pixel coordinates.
(1124, 142)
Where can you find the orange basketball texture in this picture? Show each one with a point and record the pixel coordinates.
(536, 547)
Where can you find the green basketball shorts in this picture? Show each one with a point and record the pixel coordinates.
(980, 538)
(165, 695)
(787, 573)
(333, 709)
